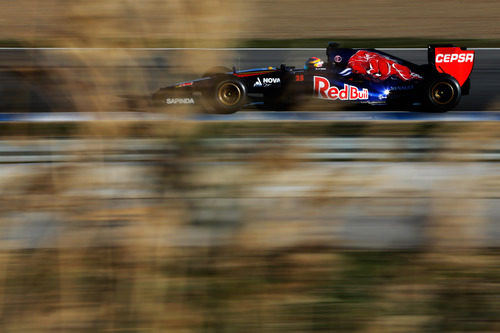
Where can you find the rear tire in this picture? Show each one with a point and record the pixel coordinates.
(442, 93)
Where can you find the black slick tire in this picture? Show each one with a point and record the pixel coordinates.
(442, 93)
(228, 95)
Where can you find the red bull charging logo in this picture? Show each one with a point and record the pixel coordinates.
(378, 67)
(324, 90)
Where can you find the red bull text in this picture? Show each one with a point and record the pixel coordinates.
(324, 90)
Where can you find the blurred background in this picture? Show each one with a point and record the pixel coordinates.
(182, 225)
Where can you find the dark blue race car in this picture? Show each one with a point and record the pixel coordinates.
(352, 75)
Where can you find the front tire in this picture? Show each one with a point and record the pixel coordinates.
(228, 96)
(442, 93)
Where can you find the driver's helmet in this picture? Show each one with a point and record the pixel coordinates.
(313, 62)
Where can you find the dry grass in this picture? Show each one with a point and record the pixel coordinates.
(186, 243)
(368, 19)
(90, 21)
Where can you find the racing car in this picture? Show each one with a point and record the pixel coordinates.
(352, 75)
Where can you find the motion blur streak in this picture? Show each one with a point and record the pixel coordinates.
(235, 226)
(183, 19)
(168, 225)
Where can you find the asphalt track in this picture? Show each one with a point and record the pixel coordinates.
(161, 67)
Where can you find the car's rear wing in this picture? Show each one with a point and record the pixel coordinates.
(455, 61)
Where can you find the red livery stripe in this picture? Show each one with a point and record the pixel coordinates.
(252, 74)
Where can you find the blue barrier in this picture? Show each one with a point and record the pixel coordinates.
(458, 116)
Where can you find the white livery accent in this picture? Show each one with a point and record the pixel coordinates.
(188, 100)
(448, 58)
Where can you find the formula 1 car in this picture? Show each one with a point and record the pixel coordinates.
(352, 75)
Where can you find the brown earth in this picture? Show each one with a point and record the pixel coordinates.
(85, 21)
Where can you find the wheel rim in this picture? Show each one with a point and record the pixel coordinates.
(442, 93)
(229, 94)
